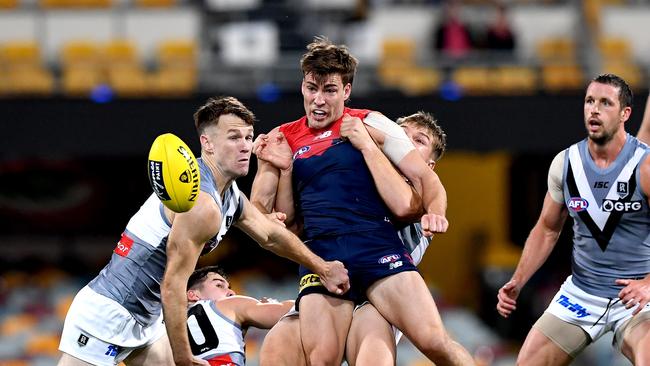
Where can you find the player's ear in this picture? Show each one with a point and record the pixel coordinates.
(347, 90)
(431, 164)
(192, 295)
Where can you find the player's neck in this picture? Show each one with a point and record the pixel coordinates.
(605, 154)
(222, 180)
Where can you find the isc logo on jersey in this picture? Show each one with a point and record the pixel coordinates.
(577, 204)
(173, 173)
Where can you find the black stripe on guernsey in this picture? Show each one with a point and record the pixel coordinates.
(602, 237)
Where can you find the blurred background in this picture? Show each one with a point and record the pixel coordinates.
(86, 86)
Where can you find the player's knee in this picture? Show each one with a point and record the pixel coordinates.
(323, 356)
(438, 344)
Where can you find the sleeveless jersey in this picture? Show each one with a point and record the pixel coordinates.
(414, 241)
(133, 275)
(610, 218)
(334, 189)
(214, 337)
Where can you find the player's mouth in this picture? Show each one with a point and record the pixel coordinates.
(319, 114)
(594, 124)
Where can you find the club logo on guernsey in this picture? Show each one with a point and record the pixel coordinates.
(301, 151)
(309, 281)
(577, 204)
(576, 308)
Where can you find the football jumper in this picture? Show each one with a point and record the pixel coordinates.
(344, 216)
(213, 337)
(133, 275)
(610, 218)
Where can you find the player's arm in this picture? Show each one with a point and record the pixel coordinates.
(265, 186)
(272, 187)
(644, 130)
(282, 242)
(400, 197)
(540, 241)
(400, 151)
(638, 291)
(189, 232)
(252, 312)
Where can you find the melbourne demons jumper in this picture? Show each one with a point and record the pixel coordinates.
(344, 216)
(120, 309)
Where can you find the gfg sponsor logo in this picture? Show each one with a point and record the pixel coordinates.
(577, 204)
(617, 206)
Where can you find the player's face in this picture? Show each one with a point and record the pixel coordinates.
(232, 143)
(215, 287)
(603, 113)
(422, 139)
(324, 99)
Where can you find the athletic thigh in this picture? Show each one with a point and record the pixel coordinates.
(552, 341)
(405, 301)
(157, 353)
(371, 340)
(324, 325)
(636, 339)
(282, 345)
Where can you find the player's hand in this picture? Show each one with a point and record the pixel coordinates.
(635, 292)
(355, 131)
(277, 217)
(507, 296)
(192, 361)
(335, 278)
(433, 224)
(274, 149)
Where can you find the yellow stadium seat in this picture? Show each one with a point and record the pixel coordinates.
(8, 4)
(128, 81)
(173, 82)
(30, 80)
(17, 323)
(629, 71)
(514, 80)
(80, 81)
(120, 51)
(562, 77)
(43, 345)
(177, 53)
(615, 49)
(391, 72)
(20, 53)
(420, 81)
(155, 3)
(81, 53)
(399, 49)
(556, 50)
(473, 80)
(75, 3)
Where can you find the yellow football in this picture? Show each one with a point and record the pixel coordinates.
(174, 173)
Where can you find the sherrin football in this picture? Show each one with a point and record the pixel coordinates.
(174, 173)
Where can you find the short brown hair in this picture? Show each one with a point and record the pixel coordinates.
(324, 58)
(428, 121)
(625, 95)
(198, 277)
(209, 113)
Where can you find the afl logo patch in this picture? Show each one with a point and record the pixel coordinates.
(389, 258)
(301, 151)
(577, 204)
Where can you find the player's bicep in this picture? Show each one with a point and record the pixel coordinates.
(553, 215)
(554, 180)
(191, 229)
(254, 223)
